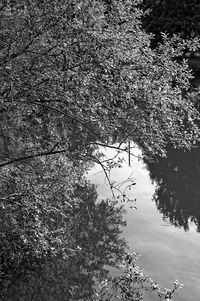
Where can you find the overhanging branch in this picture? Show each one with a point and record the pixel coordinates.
(32, 156)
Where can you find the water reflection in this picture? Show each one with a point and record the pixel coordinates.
(95, 228)
(168, 252)
(177, 195)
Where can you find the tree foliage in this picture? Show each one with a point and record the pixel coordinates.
(180, 18)
(74, 75)
(53, 221)
(85, 69)
(132, 284)
(173, 17)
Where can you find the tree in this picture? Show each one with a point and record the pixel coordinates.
(180, 18)
(72, 68)
(53, 221)
(173, 17)
(75, 75)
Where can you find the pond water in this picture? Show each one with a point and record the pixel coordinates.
(164, 227)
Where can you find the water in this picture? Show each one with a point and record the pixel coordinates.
(164, 227)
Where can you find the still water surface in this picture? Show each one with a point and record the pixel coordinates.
(164, 228)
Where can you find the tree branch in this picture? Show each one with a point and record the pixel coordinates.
(68, 115)
(32, 156)
(126, 149)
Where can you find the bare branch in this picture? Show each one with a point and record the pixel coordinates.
(126, 149)
(105, 172)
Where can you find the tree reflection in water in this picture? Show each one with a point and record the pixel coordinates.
(177, 195)
(95, 227)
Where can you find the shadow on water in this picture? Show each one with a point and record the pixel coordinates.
(177, 195)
